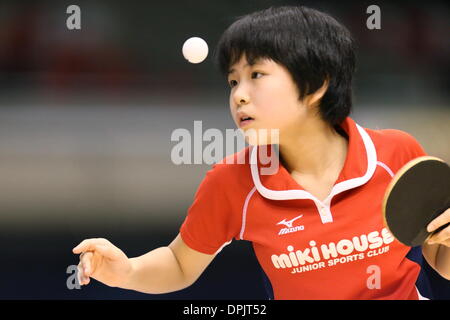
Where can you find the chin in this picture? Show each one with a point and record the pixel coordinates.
(261, 137)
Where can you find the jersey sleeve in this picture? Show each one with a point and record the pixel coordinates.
(414, 149)
(210, 224)
(406, 148)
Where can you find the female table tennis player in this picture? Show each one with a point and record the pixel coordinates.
(315, 223)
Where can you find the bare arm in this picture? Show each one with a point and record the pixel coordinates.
(438, 257)
(167, 269)
(437, 249)
(163, 270)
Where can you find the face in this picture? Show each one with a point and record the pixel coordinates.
(266, 93)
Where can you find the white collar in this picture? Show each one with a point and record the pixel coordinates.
(338, 188)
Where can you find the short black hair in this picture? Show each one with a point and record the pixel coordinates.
(312, 45)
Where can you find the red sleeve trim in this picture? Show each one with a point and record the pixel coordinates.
(195, 245)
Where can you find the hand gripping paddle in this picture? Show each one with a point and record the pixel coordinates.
(418, 193)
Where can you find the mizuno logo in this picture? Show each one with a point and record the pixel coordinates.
(290, 222)
(289, 226)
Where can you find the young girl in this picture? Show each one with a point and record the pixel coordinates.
(315, 223)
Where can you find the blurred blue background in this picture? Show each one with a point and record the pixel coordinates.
(86, 118)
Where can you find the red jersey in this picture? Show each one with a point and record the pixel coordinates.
(338, 248)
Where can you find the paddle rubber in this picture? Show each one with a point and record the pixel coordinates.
(418, 193)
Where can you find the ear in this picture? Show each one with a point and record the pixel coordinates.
(313, 99)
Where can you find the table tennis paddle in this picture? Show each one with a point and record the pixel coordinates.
(418, 193)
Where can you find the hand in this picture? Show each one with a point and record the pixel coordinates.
(101, 260)
(443, 236)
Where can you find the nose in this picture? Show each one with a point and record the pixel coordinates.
(240, 96)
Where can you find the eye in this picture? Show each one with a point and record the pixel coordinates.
(254, 74)
(232, 83)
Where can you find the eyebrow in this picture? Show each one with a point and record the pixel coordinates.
(257, 61)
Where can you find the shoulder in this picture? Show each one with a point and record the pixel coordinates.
(394, 138)
(231, 172)
(395, 147)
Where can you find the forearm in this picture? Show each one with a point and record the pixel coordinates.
(438, 257)
(156, 272)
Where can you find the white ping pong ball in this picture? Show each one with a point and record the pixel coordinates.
(195, 50)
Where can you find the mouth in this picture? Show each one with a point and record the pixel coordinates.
(244, 121)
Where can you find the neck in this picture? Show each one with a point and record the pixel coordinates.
(315, 150)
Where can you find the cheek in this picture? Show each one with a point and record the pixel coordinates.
(232, 109)
(278, 97)
(279, 108)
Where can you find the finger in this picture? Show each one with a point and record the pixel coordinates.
(81, 277)
(106, 251)
(441, 220)
(86, 262)
(80, 274)
(85, 245)
(88, 245)
(440, 237)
